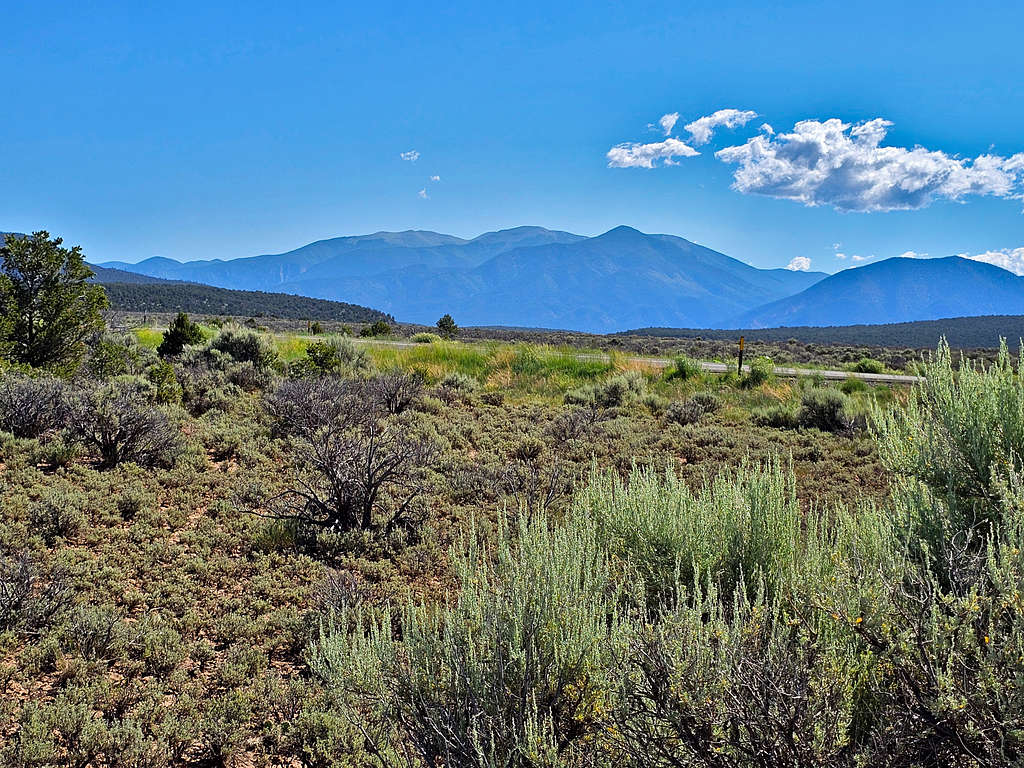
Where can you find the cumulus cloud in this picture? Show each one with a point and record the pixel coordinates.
(412, 155)
(668, 122)
(799, 264)
(633, 155)
(1011, 259)
(703, 128)
(767, 128)
(912, 255)
(435, 178)
(858, 257)
(840, 255)
(423, 194)
(844, 165)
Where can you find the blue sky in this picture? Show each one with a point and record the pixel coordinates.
(213, 130)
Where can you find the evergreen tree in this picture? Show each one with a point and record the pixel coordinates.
(181, 333)
(447, 327)
(47, 306)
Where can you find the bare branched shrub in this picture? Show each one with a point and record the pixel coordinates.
(31, 407)
(119, 420)
(577, 422)
(355, 468)
(456, 387)
(532, 479)
(395, 391)
(29, 598)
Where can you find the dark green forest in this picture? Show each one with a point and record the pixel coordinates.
(208, 300)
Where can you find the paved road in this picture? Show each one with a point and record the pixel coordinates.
(661, 362)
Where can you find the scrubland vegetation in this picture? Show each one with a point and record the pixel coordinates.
(297, 550)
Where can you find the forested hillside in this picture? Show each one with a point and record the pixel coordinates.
(165, 296)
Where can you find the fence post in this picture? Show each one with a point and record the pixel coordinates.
(739, 368)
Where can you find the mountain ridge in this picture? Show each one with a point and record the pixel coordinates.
(895, 290)
(520, 276)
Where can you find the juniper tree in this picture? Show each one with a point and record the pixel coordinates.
(48, 308)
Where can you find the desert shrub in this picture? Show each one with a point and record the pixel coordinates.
(248, 377)
(853, 386)
(456, 386)
(868, 365)
(114, 354)
(204, 388)
(30, 407)
(339, 356)
(684, 368)
(762, 370)
(489, 680)
(30, 599)
(315, 328)
(650, 614)
(958, 440)
(776, 416)
(57, 515)
(165, 382)
(493, 397)
(119, 420)
(957, 502)
(299, 407)
(683, 412)
(824, 408)
(460, 382)
(576, 423)
(613, 392)
(377, 329)
(425, 338)
(181, 333)
(693, 409)
(535, 479)
(244, 346)
(655, 403)
(394, 392)
(355, 469)
(707, 401)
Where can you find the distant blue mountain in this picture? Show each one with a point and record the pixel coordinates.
(894, 291)
(526, 276)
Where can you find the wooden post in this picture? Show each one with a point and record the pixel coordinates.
(739, 368)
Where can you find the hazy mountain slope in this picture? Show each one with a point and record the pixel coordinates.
(604, 283)
(111, 275)
(896, 290)
(527, 276)
(341, 257)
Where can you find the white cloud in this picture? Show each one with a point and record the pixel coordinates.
(668, 122)
(633, 155)
(912, 255)
(1011, 259)
(423, 194)
(704, 127)
(767, 128)
(840, 255)
(412, 155)
(435, 178)
(799, 264)
(857, 257)
(843, 165)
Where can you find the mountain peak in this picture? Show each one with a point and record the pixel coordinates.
(622, 231)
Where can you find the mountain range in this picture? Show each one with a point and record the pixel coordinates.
(536, 277)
